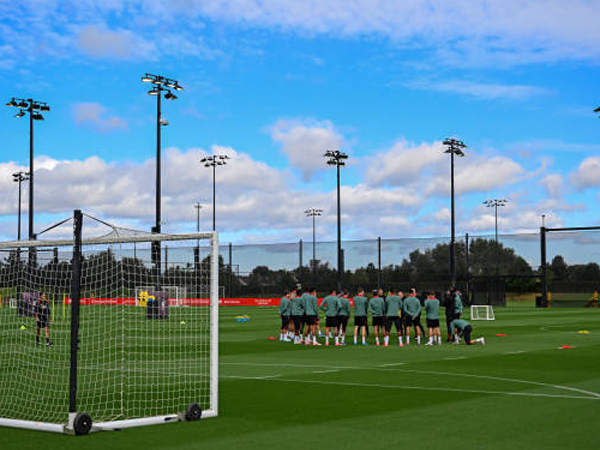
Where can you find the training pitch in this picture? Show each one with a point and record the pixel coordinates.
(521, 391)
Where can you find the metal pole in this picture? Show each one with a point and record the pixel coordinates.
(75, 300)
(19, 219)
(300, 253)
(314, 260)
(378, 262)
(543, 266)
(339, 231)
(452, 259)
(158, 161)
(497, 246)
(214, 211)
(468, 265)
(31, 233)
(230, 267)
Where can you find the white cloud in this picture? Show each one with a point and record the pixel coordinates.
(94, 114)
(553, 184)
(586, 175)
(304, 143)
(480, 91)
(100, 42)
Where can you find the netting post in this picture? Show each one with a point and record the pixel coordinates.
(543, 266)
(468, 290)
(230, 271)
(214, 324)
(75, 303)
(300, 253)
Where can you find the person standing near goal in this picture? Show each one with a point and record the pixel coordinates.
(412, 307)
(432, 316)
(462, 328)
(393, 305)
(330, 305)
(343, 315)
(377, 307)
(449, 306)
(42, 319)
(360, 316)
(285, 311)
(458, 304)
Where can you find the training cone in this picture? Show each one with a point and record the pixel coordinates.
(501, 334)
(567, 347)
(583, 332)
(271, 338)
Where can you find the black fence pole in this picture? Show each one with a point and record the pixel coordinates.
(75, 302)
(379, 262)
(543, 267)
(230, 274)
(468, 287)
(300, 253)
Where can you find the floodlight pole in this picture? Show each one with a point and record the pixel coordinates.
(19, 177)
(161, 84)
(312, 212)
(454, 147)
(30, 106)
(495, 203)
(337, 158)
(214, 161)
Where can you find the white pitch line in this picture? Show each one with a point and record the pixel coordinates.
(418, 388)
(424, 372)
(515, 353)
(455, 358)
(325, 371)
(390, 365)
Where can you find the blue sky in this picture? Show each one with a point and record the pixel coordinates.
(273, 84)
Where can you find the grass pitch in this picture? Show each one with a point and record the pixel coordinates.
(521, 391)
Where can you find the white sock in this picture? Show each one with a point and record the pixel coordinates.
(408, 339)
(399, 339)
(386, 340)
(479, 339)
(355, 339)
(343, 339)
(327, 339)
(418, 339)
(363, 340)
(337, 340)
(377, 340)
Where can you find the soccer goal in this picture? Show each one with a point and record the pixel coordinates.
(108, 362)
(482, 312)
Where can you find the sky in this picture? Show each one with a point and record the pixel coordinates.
(275, 84)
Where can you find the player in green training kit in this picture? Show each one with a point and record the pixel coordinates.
(285, 311)
(311, 310)
(462, 328)
(432, 310)
(458, 305)
(412, 308)
(360, 316)
(393, 304)
(343, 315)
(297, 315)
(377, 308)
(330, 305)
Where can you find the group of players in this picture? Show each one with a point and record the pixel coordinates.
(300, 317)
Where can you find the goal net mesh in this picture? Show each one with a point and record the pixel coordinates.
(138, 355)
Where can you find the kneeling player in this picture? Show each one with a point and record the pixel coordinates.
(462, 328)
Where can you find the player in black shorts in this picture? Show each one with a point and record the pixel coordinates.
(42, 319)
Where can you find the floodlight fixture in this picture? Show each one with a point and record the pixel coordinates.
(20, 114)
(214, 161)
(12, 103)
(495, 203)
(37, 116)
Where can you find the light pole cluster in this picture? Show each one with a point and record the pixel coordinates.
(338, 159)
(313, 212)
(35, 109)
(19, 177)
(496, 203)
(214, 161)
(454, 147)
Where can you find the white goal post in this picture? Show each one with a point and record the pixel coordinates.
(482, 312)
(80, 354)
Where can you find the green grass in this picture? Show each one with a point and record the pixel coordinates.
(517, 392)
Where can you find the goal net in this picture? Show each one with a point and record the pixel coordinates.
(81, 352)
(482, 312)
